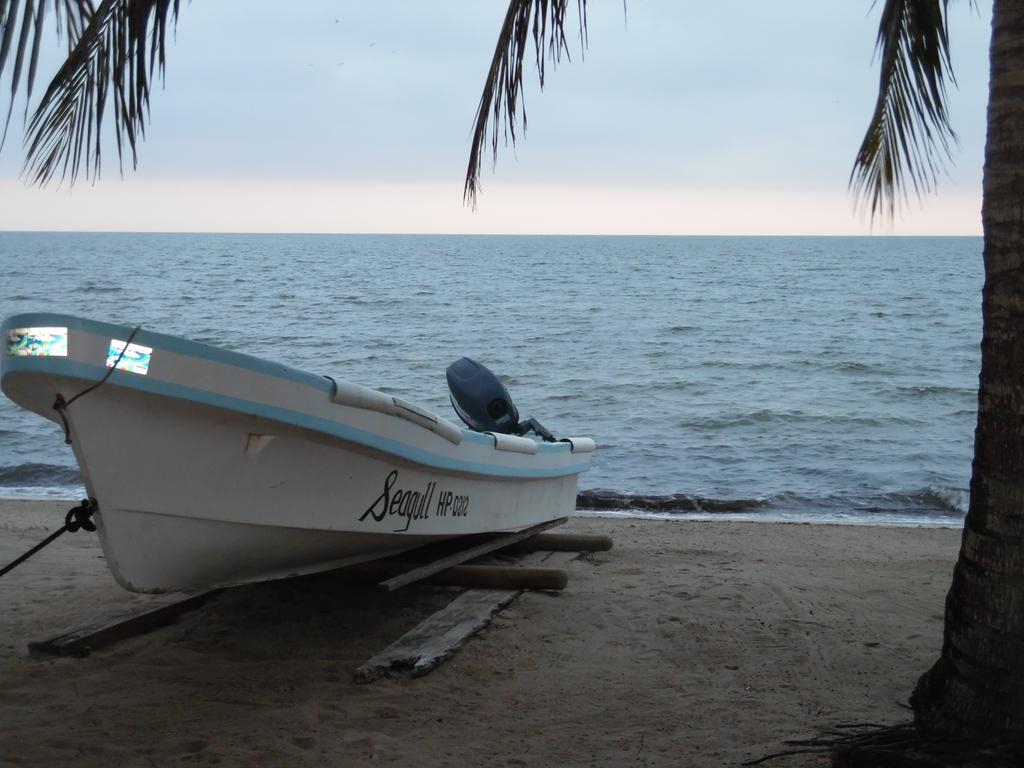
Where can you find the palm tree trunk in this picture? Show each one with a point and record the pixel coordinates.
(976, 688)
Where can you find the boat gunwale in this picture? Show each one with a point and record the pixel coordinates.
(89, 372)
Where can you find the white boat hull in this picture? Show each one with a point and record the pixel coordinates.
(213, 471)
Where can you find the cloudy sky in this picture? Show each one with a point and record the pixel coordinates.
(727, 117)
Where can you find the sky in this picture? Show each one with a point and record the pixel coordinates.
(733, 117)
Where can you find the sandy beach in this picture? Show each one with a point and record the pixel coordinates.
(690, 643)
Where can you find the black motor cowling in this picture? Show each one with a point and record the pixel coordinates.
(480, 399)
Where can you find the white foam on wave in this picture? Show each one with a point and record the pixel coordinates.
(884, 520)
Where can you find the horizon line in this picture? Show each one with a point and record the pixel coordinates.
(455, 234)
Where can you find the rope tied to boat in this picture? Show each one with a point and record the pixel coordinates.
(60, 405)
(77, 518)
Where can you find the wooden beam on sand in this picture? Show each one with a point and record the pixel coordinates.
(161, 610)
(470, 576)
(438, 636)
(441, 635)
(562, 542)
(465, 555)
(137, 620)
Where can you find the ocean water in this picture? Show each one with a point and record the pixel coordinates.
(827, 379)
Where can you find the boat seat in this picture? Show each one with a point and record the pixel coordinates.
(356, 396)
(431, 421)
(513, 443)
(580, 444)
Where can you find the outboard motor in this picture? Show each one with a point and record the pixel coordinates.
(483, 402)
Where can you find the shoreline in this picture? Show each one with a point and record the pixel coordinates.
(874, 520)
(699, 643)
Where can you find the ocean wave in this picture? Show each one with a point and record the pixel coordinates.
(934, 497)
(48, 492)
(33, 474)
(855, 366)
(925, 502)
(92, 288)
(598, 498)
(934, 389)
(764, 416)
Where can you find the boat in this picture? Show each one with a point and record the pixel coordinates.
(207, 467)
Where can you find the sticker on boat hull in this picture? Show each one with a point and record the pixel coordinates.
(37, 342)
(135, 359)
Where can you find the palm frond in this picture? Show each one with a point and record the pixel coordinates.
(115, 49)
(68, 14)
(909, 136)
(501, 104)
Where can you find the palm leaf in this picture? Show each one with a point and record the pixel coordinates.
(115, 49)
(501, 104)
(909, 136)
(68, 14)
